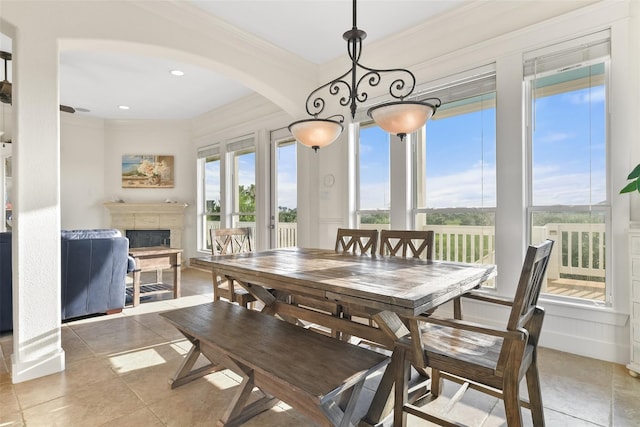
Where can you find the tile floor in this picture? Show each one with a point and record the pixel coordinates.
(118, 368)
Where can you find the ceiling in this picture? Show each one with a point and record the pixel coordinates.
(311, 29)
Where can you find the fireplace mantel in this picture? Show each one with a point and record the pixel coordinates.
(149, 216)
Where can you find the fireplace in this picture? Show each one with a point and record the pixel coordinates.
(160, 224)
(148, 238)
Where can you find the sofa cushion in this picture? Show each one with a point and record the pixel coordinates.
(90, 234)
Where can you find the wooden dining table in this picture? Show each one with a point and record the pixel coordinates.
(393, 291)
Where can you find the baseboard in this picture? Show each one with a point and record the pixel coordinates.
(584, 346)
(571, 335)
(32, 369)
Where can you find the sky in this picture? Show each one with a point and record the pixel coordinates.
(569, 156)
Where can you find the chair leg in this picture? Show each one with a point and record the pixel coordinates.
(511, 399)
(436, 382)
(457, 308)
(535, 397)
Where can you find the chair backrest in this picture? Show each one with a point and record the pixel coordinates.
(413, 243)
(524, 308)
(230, 240)
(530, 284)
(363, 242)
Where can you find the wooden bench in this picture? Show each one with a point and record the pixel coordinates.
(307, 370)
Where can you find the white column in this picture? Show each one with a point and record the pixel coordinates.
(510, 153)
(401, 183)
(37, 349)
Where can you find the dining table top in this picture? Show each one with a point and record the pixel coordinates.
(406, 286)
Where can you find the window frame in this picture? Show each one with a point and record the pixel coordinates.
(475, 83)
(358, 211)
(573, 48)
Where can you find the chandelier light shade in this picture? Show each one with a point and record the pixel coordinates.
(399, 117)
(402, 117)
(316, 133)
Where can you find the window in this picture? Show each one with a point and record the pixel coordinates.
(373, 179)
(568, 200)
(228, 187)
(210, 206)
(285, 211)
(456, 172)
(242, 155)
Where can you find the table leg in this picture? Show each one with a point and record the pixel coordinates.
(176, 277)
(159, 276)
(402, 374)
(136, 288)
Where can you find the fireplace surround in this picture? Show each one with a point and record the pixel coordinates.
(149, 216)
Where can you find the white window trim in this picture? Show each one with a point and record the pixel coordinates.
(593, 44)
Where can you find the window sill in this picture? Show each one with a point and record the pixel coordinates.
(583, 311)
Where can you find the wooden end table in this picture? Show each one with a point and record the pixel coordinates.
(155, 259)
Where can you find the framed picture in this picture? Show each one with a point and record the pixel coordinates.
(147, 171)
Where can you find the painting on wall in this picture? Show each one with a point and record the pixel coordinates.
(147, 171)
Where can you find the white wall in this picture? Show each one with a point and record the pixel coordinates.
(91, 159)
(82, 173)
(160, 137)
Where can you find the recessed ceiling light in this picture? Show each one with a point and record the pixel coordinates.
(177, 72)
(123, 107)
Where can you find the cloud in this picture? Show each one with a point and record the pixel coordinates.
(555, 137)
(465, 188)
(579, 188)
(595, 95)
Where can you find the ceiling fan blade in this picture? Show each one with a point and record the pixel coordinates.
(5, 86)
(67, 109)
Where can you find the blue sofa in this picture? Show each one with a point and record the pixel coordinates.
(94, 265)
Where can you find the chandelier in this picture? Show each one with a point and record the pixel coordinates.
(398, 117)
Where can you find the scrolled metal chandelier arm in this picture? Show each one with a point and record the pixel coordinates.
(399, 88)
(316, 103)
(399, 117)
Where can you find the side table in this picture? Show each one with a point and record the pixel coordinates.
(155, 259)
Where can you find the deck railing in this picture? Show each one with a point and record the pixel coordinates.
(579, 249)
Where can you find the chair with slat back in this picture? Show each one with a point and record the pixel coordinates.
(355, 241)
(489, 359)
(413, 243)
(230, 241)
(363, 242)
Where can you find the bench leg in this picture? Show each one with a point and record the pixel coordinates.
(337, 416)
(239, 412)
(185, 374)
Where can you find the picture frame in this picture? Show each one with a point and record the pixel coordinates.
(147, 171)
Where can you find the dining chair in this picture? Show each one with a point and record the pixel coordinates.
(414, 243)
(356, 241)
(348, 240)
(489, 359)
(360, 242)
(230, 241)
